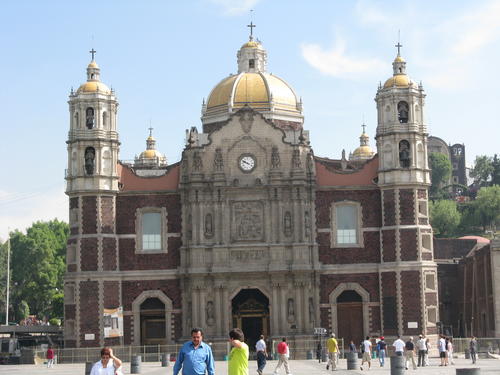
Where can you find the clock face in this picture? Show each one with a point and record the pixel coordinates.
(247, 163)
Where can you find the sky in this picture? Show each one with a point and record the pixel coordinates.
(163, 57)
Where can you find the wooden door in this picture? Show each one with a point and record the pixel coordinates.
(350, 322)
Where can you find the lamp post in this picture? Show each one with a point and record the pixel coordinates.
(8, 283)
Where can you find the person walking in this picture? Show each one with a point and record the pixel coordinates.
(261, 350)
(442, 350)
(108, 365)
(367, 353)
(352, 347)
(399, 346)
(238, 357)
(381, 348)
(50, 357)
(410, 353)
(284, 353)
(449, 350)
(427, 349)
(422, 348)
(195, 357)
(333, 351)
(473, 349)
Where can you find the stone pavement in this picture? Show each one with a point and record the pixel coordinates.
(298, 367)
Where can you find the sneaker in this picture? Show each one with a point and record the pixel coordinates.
(327, 367)
(361, 368)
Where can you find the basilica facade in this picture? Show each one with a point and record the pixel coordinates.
(250, 228)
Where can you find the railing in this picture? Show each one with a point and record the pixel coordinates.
(484, 344)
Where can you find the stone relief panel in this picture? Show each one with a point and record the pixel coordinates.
(247, 222)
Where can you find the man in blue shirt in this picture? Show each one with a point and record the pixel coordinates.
(195, 357)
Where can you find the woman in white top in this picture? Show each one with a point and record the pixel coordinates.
(449, 349)
(108, 365)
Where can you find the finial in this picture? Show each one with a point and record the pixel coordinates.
(93, 52)
(251, 26)
(150, 130)
(399, 45)
(364, 125)
(72, 92)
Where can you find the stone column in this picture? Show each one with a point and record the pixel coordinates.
(218, 311)
(275, 311)
(202, 308)
(225, 310)
(283, 308)
(299, 321)
(194, 302)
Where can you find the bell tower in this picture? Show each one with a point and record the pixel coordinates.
(92, 185)
(408, 273)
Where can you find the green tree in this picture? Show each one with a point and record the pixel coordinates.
(495, 175)
(38, 265)
(3, 279)
(441, 171)
(445, 217)
(487, 206)
(483, 168)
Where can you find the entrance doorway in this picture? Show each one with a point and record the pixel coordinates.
(250, 308)
(153, 329)
(350, 316)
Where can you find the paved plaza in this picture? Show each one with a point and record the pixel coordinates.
(298, 367)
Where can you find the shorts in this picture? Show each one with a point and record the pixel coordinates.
(442, 354)
(366, 357)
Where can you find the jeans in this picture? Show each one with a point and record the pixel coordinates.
(473, 356)
(421, 358)
(381, 357)
(261, 361)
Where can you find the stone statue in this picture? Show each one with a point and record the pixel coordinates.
(89, 160)
(90, 118)
(290, 311)
(404, 154)
(296, 159)
(311, 310)
(218, 160)
(208, 225)
(307, 224)
(246, 120)
(210, 313)
(275, 158)
(287, 223)
(310, 161)
(197, 162)
(403, 112)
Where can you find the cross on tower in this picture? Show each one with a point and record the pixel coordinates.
(364, 128)
(251, 26)
(399, 45)
(150, 131)
(93, 52)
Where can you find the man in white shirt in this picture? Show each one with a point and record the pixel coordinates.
(261, 349)
(399, 346)
(367, 354)
(422, 348)
(442, 350)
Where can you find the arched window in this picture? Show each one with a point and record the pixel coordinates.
(90, 121)
(404, 154)
(105, 120)
(251, 63)
(403, 111)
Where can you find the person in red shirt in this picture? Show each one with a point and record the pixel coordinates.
(50, 357)
(284, 353)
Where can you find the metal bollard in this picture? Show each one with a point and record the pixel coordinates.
(397, 365)
(468, 371)
(324, 355)
(135, 364)
(352, 360)
(88, 367)
(165, 359)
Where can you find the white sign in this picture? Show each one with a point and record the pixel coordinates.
(412, 324)
(320, 331)
(89, 336)
(113, 322)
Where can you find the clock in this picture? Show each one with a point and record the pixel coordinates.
(247, 163)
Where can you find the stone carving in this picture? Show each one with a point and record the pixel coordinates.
(197, 162)
(343, 161)
(210, 313)
(89, 160)
(246, 121)
(209, 232)
(90, 118)
(189, 315)
(404, 154)
(311, 311)
(287, 223)
(190, 227)
(275, 158)
(307, 224)
(310, 162)
(218, 160)
(247, 221)
(248, 255)
(290, 311)
(296, 159)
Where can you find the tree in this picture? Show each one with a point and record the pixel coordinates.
(38, 265)
(495, 175)
(3, 279)
(483, 168)
(445, 217)
(441, 171)
(487, 204)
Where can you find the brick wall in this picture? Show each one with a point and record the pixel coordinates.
(408, 241)
(69, 311)
(410, 291)
(107, 215)
(132, 289)
(389, 208)
(129, 260)
(88, 255)
(389, 298)
(111, 294)
(389, 244)
(89, 313)
(370, 253)
(407, 207)
(109, 254)
(89, 215)
(369, 281)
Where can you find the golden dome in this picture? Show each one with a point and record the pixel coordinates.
(93, 86)
(260, 91)
(252, 44)
(150, 154)
(363, 152)
(93, 64)
(399, 80)
(399, 59)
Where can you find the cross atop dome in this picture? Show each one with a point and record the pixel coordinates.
(93, 52)
(251, 26)
(398, 46)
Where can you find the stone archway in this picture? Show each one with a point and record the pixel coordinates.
(334, 305)
(136, 311)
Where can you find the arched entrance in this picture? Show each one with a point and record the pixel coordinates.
(152, 322)
(350, 316)
(250, 311)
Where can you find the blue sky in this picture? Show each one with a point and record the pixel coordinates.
(163, 57)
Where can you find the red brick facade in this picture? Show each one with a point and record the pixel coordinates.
(411, 290)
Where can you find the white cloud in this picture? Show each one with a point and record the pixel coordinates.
(337, 63)
(20, 210)
(235, 7)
